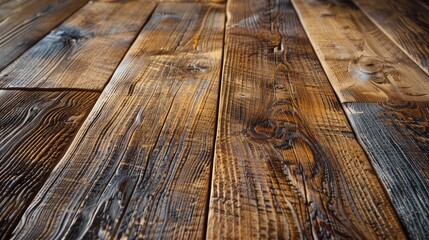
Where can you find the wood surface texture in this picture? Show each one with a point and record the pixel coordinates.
(24, 22)
(396, 137)
(140, 165)
(362, 63)
(84, 51)
(36, 127)
(405, 22)
(287, 165)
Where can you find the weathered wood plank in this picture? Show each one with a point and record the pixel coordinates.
(22, 23)
(141, 163)
(287, 165)
(362, 63)
(35, 130)
(84, 51)
(396, 137)
(405, 22)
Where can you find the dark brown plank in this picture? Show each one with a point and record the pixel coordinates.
(84, 51)
(396, 137)
(405, 22)
(140, 165)
(22, 23)
(35, 130)
(362, 63)
(287, 165)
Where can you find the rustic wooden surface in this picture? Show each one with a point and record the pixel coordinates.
(84, 51)
(396, 136)
(405, 22)
(36, 127)
(140, 165)
(24, 22)
(362, 63)
(287, 165)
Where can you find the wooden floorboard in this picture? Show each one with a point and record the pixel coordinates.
(36, 127)
(140, 165)
(362, 63)
(405, 22)
(287, 165)
(24, 22)
(84, 51)
(396, 137)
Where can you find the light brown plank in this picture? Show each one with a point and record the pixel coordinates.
(84, 51)
(287, 165)
(362, 63)
(22, 23)
(396, 137)
(405, 22)
(141, 163)
(35, 130)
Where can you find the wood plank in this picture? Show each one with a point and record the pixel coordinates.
(141, 163)
(35, 130)
(287, 165)
(405, 22)
(23, 23)
(84, 51)
(362, 63)
(396, 137)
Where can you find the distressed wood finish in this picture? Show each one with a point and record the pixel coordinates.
(35, 130)
(362, 63)
(22, 23)
(405, 22)
(140, 165)
(84, 51)
(287, 165)
(396, 137)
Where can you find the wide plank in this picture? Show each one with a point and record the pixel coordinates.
(396, 138)
(24, 22)
(36, 127)
(140, 165)
(405, 22)
(84, 51)
(362, 63)
(287, 165)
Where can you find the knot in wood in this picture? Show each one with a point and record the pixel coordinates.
(370, 65)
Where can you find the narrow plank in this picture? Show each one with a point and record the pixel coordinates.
(140, 165)
(287, 165)
(396, 137)
(84, 51)
(35, 130)
(362, 63)
(405, 22)
(22, 23)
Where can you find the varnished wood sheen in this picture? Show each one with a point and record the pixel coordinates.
(362, 63)
(24, 22)
(396, 137)
(287, 165)
(35, 130)
(84, 51)
(406, 22)
(140, 165)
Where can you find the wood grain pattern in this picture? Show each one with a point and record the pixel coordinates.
(24, 22)
(396, 137)
(405, 22)
(287, 165)
(84, 51)
(140, 165)
(362, 63)
(35, 130)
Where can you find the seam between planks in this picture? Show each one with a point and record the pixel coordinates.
(218, 108)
